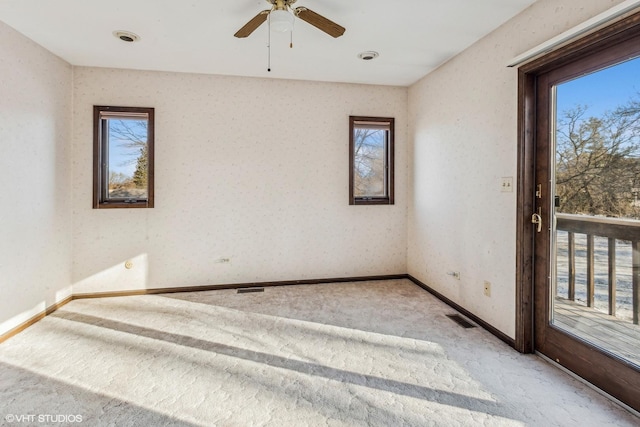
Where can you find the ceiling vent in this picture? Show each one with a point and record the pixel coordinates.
(126, 36)
(368, 55)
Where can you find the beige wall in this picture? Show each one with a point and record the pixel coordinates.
(462, 140)
(256, 171)
(253, 170)
(35, 177)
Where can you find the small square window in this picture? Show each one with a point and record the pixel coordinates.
(371, 160)
(123, 157)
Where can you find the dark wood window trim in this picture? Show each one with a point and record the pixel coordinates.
(100, 201)
(386, 122)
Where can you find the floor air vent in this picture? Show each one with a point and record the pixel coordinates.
(461, 321)
(248, 290)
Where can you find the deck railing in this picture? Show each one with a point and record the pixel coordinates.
(613, 229)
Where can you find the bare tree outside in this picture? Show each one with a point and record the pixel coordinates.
(129, 138)
(598, 161)
(369, 162)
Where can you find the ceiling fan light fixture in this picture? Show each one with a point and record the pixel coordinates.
(281, 21)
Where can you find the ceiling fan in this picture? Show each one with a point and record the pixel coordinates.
(283, 11)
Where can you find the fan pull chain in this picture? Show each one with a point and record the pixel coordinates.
(269, 46)
(291, 39)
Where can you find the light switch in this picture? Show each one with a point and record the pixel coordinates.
(506, 184)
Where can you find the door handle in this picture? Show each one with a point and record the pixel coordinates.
(536, 218)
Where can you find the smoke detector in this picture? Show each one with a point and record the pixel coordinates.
(126, 36)
(368, 55)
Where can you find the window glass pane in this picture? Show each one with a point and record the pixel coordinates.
(370, 162)
(127, 159)
(597, 184)
(598, 143)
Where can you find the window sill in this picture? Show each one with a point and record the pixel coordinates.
(123, 205)
(372, 201)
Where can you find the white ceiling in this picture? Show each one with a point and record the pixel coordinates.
(413, 37)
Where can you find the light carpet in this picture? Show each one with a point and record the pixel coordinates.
(347, 354)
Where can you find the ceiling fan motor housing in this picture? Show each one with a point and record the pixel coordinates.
(282, 12)
(281, 4)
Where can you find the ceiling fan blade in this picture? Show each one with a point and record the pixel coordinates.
(320, 22)
(251, 26)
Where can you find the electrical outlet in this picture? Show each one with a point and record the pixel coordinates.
(487, 288)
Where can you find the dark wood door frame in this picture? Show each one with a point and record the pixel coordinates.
(527, 86)
(604, 40)
(525, 202)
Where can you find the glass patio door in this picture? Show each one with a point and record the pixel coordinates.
(587, 219)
